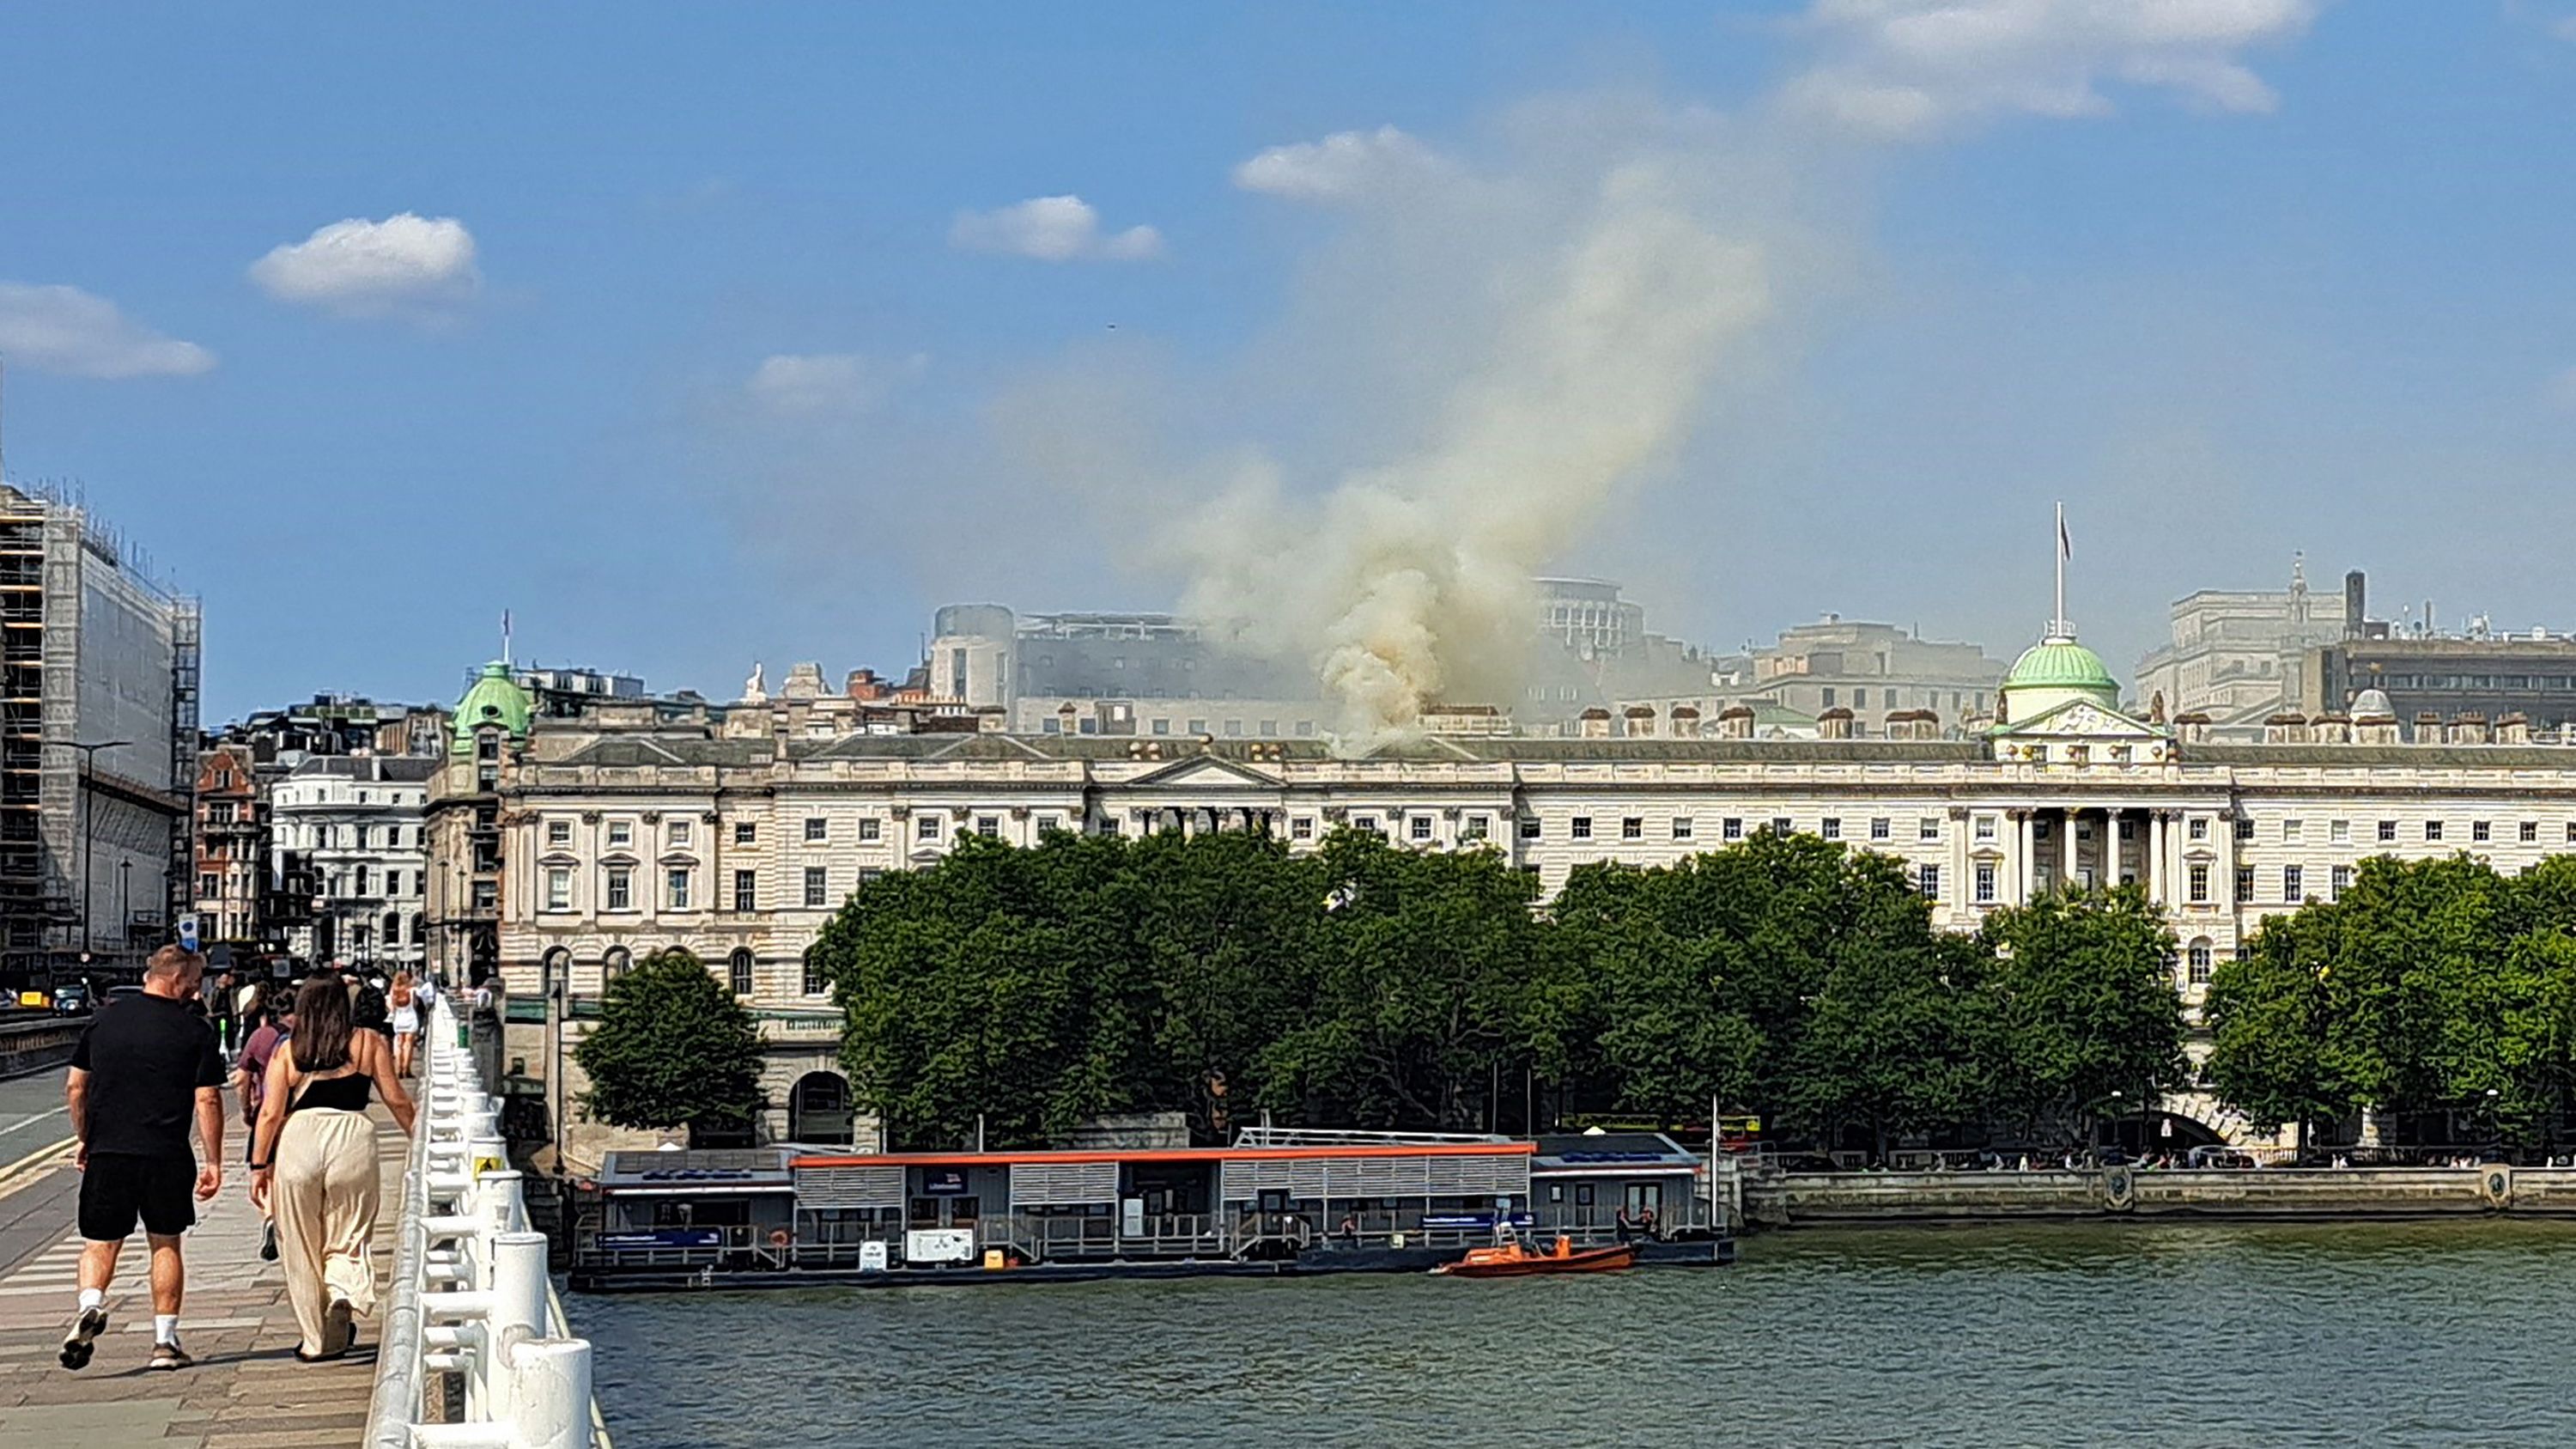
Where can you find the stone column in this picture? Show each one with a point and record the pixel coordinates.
(2157, 830)
(2025, 857)
(1955, 891)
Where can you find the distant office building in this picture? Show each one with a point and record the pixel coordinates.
(98, 745)
(333, 724)
(2480, 679)
(568, 692)
(1152, 674)
(1871, 678)
(2235, 653)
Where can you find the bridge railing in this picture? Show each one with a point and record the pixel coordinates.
(471, 1303)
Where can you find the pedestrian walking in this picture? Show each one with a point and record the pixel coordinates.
(406, 1022)
(219, 1006)
(138, 1076)
(315, 1165)
(251, 1079)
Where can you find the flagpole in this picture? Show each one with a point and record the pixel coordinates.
(2057, 621)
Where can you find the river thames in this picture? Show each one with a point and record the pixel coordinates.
(2191, 1334)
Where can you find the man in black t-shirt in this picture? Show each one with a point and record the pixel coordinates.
(145, 1067)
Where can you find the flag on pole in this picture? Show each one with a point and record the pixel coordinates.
(2065, 546)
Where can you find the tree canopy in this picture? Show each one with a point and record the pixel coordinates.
(1367, 985)
(673, 1048)
(2427, 987)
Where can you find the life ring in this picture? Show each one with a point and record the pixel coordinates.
(778, 1238)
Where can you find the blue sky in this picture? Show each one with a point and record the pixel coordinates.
(2330, 311)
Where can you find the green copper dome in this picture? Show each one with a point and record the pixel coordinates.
(493, 698)
(2060, 664)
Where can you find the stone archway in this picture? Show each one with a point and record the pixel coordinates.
(818, 1109)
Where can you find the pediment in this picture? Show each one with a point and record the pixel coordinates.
(2084, 720)
(1205, 773)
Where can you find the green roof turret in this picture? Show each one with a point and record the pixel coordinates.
(494, 698)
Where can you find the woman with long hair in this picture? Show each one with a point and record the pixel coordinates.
(313, 1164)
(406, 1021)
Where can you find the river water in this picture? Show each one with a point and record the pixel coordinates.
(2167, 1335)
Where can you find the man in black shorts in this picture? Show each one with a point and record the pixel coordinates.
(142, 1070)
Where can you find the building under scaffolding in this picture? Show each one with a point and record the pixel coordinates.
(98, 734)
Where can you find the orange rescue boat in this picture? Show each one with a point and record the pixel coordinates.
(1514, 1261)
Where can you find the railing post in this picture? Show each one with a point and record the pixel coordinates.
(479, 1306)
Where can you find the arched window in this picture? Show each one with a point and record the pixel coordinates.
(554, 969)
(415, 933)
(393, 936)
(738, 971)
(613, 965)
(818, 1109)
(2199, 957)
(815, 984)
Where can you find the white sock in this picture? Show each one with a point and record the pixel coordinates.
(165, 1328)
(93, 1298)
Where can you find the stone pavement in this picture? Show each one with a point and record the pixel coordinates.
(246, 1390)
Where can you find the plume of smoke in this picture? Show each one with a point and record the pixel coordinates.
(1608, 312)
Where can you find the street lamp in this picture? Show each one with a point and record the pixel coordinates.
(125, 900)
(89, 753)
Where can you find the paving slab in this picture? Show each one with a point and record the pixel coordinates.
(246, 1390)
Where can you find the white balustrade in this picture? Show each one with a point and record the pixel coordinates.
(470, 1291)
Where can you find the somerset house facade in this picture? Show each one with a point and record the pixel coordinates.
(736, 833)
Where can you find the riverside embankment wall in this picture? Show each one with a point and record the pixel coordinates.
(1812, 1198)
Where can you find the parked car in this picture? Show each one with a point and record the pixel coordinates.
(72, 999)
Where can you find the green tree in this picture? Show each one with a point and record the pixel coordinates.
(2268, 1014)
(1422, 991)
(1712, 977)
(2084, 1006)
(2412, 943)
(673, 1048)
(1896, 1043)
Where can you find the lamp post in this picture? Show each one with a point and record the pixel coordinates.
(88, 753)
(125, 900)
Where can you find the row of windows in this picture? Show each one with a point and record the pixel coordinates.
(1732, 827)
(2339, 832)
(1232, 729)
(617, 888)
(361, 880)
(617, 960)
(353, 837)
(817, 830)
(1889, 698)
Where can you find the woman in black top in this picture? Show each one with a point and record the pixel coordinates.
(313, 1165)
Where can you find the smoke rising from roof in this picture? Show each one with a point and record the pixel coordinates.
(1476, 365)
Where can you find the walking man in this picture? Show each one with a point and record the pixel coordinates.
(142, 1070)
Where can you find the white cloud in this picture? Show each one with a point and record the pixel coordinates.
(360, 268)
(1910, 68)
(828, 384)
(1343, 164)
(1052, 229)
(67, 330)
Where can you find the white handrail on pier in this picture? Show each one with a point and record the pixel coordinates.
(470, 1294)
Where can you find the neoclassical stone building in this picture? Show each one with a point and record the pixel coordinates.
(737, 832)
